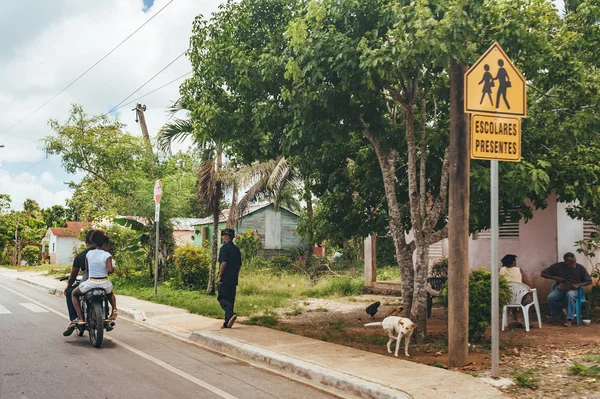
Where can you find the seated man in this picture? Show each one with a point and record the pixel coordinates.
(569, 276)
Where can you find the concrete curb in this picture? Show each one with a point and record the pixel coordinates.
(315, 374)
(52, 291)
(133, 314)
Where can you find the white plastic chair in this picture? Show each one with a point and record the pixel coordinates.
(519, 290)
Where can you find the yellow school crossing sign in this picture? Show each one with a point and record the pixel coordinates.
(494, 86)
(495, 95)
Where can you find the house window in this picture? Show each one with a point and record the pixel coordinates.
(589, 229)
(53, 247)
(508, 231)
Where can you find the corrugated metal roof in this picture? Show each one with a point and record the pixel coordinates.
(225, 213)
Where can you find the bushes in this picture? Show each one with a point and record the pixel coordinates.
(480, 301)
(249, 244)
(440, 268)
(31, 254)
(191, 267)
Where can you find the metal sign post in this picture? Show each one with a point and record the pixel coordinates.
(157, 197)
(496, 96)
(494, 268)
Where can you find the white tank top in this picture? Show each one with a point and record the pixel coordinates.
(96, 259)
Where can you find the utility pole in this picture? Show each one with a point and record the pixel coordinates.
(141, 119)
(458, 222)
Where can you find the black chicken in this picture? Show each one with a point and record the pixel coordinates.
(372, 309)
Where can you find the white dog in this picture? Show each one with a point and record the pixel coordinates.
(397, 328)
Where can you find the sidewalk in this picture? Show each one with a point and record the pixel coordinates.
(341, 370)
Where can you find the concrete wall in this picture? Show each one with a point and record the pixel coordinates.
(183, 237)
(569, 231)
(536, 247)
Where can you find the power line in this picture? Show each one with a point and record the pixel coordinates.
(145, 83)
(33, 166)
(89, 69)
(155, 90)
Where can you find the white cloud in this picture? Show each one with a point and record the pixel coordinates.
(43, 48)
(27, 186)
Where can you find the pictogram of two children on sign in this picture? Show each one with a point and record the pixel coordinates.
(489, 84)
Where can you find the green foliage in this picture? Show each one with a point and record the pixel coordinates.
(480, 300)
(440, 268)
(583, 370)
(192, 267)
(31, 254)
(249, 244)
(280, 262)
(526, 379)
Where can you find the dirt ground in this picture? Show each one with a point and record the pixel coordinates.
(540, 357)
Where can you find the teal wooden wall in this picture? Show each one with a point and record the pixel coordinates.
(257, 221)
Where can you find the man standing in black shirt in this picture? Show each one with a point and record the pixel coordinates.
(78, 264)
(230, 261)
(569, 276)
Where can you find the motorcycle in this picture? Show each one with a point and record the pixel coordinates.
(94, 308)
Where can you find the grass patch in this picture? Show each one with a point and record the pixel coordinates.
(51, 270)
(294, 312)
(337, 325)
(197, 301)
(436, 364)
(259, 289)
(334, 287)
(591, 358)
(584, 371)
(388, 273)
(526, 379)
(268, 319)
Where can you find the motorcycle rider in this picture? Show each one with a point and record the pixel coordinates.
(78, 264)
(99, 264)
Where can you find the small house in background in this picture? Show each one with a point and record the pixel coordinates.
(61, 243)
(183, 230)
(276, 227)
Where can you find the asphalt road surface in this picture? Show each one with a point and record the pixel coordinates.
(36, 361)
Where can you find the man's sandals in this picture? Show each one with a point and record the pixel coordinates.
(568, 323)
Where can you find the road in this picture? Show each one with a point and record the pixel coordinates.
(36, 361)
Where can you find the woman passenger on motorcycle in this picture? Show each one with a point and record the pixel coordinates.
(99, 264)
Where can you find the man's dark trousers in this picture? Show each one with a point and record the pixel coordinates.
(72, 312)
(226, 298)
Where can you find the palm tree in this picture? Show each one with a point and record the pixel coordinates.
(210, 187)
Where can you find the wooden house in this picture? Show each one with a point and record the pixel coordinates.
(276, 227)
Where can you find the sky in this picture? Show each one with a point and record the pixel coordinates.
(45, 45)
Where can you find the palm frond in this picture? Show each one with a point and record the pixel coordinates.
(178, 130)
(207, 185)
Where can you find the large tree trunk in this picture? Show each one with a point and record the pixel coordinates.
(419, 303)
(387, 163)
(458, 222)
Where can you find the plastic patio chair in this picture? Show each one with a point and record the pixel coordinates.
(581, 299)
(519, 290)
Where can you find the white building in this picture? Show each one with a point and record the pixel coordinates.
(63, 242)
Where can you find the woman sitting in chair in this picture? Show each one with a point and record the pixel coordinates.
(514, 274)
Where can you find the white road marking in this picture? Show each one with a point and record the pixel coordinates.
(3, 310)
(146, 356)
(33, 307)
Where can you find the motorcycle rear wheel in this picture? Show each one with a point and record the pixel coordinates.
(96, 324)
